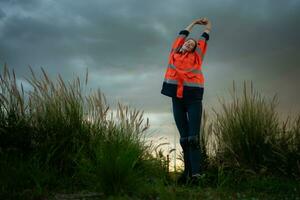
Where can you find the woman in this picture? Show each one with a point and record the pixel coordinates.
(184, 82)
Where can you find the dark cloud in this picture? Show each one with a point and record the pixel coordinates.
(125, 44)
(2, 14)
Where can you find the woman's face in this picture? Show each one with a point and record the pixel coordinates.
(189, 45)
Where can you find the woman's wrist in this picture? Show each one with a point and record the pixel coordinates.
(194, 22)
(207, 30)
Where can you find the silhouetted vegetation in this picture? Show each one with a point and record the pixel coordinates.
(54, 140)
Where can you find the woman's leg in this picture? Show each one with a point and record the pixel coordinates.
(180, 116)
(194, 110)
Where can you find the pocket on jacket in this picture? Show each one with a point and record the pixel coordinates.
(173, 73)
(191, 75)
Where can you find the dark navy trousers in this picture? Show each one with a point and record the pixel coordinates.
(187, 115)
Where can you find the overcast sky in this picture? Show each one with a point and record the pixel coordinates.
(125, 46)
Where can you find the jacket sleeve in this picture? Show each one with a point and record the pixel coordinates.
(202, 44)
(179, 40)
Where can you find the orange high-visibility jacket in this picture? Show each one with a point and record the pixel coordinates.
(184, 77)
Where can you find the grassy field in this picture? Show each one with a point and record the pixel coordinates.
(56, 143)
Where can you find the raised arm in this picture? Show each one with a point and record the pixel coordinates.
(180, 39)
(207, 26)
(202, 41)
(189, 27)
(204, 21)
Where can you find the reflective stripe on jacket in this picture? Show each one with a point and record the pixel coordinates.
(184, 77)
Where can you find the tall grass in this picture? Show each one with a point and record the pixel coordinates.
(51, 121)
(250, 135)
(56, 138)
(121, 161)
(205, 138)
